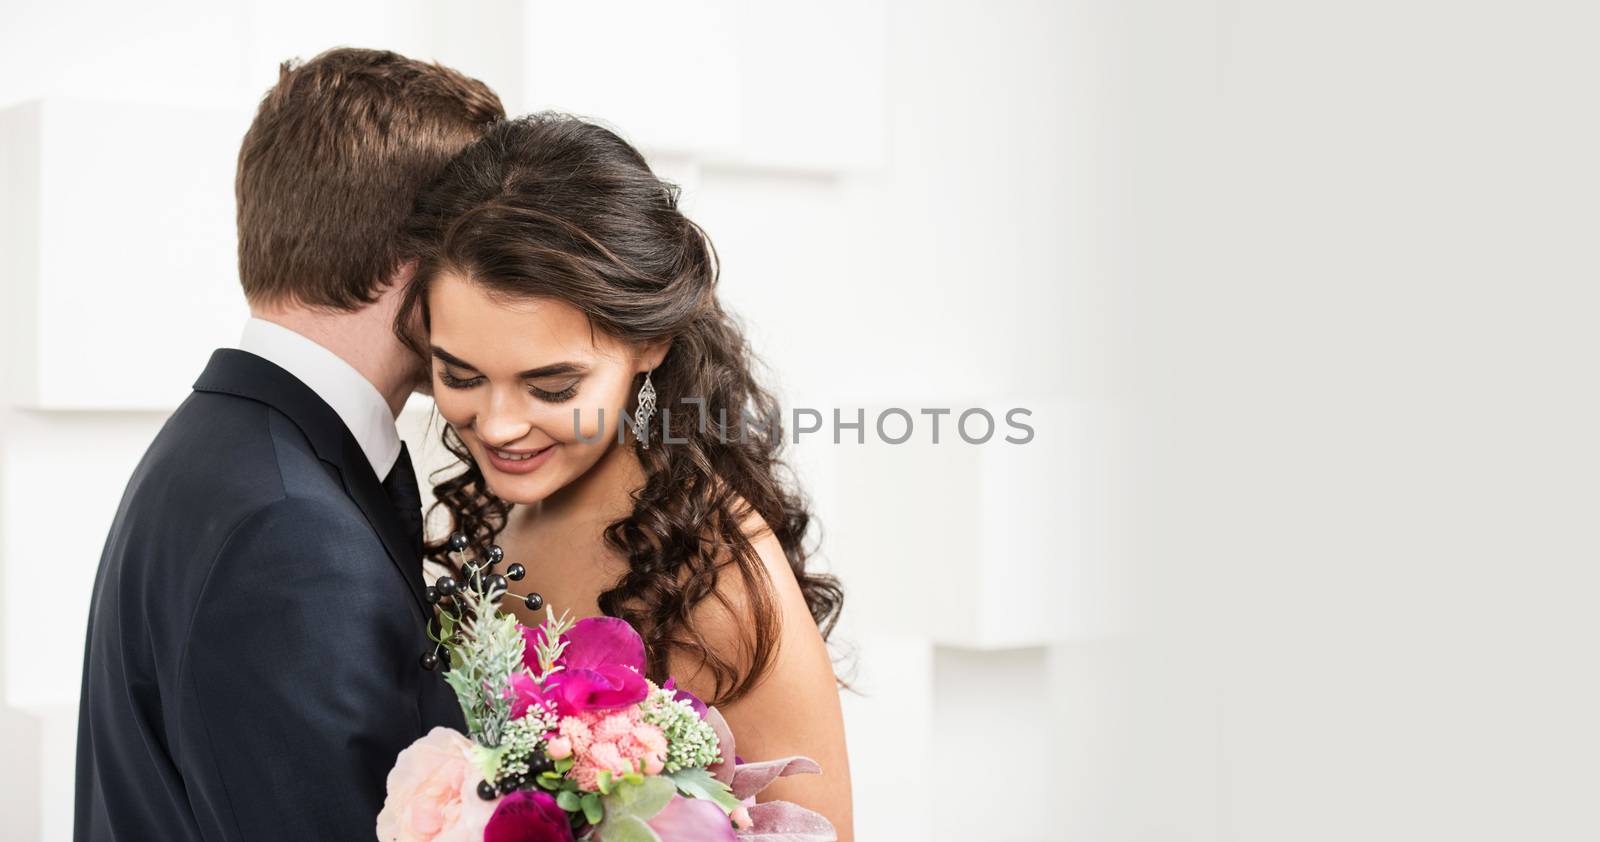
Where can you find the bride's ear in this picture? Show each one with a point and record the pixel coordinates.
(653, 354)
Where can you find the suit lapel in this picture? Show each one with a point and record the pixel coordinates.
(242, 374)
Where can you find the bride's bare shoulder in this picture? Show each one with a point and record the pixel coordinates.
(748, 585)
(773, 562)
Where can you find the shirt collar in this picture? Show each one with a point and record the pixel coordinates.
(351, 396)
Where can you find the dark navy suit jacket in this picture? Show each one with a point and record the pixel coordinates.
(251, 669)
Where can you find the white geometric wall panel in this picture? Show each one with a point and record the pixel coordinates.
(881, 238)
(125, 256)
(978, 546)
(781, 86)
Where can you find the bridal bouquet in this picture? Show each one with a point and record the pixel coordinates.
(567, 740)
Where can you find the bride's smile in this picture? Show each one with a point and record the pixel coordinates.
(519, 462)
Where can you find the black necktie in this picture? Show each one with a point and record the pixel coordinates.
(401, 486)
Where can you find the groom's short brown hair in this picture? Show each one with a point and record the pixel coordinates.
(332, 164)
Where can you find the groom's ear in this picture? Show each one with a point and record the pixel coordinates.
(401, 277)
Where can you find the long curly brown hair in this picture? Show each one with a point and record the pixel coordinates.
(552, 206)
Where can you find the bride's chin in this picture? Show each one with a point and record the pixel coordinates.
(511, 492)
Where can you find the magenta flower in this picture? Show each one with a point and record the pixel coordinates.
(577, 690)
(602, 667)
(526, 694)
(599, 641)
(528, 816)
(591, 642)
(532, 639)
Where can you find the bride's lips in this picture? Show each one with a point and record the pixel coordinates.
(518, 461)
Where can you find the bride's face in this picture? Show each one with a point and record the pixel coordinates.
(509, 376)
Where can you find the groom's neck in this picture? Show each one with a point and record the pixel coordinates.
(365, 339)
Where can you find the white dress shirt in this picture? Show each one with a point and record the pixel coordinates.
(353, 397)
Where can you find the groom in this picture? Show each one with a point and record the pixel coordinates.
(252, 664)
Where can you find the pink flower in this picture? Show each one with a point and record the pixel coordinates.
(611, 741)
(433, 793)
(722, 770)
(577, 733)
(650, 741)
(607, 757)
(558, 748)
(613, 727)
(692, 818)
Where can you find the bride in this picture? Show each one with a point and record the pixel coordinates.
(563, 296)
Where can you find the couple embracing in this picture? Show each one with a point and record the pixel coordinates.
(258, 642)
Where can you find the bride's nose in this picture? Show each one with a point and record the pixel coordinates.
(502, 422)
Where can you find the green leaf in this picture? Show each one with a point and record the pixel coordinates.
(603, 781)
(628, 829)
(569, 801)
(593, 810)
(489, 760)
(698, 783)
(564, 765)
(642, 800)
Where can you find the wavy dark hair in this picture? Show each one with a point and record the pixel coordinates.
(552, 206)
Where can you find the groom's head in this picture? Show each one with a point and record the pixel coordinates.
(331, 166)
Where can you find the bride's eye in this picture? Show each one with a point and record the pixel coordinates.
(454, 382)
(554, 397)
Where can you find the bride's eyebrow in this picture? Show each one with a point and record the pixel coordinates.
(451, 359)
(551, 370)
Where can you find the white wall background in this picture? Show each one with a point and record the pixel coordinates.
(1302, 295)
(888, 185)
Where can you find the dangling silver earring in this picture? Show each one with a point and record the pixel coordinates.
(645, 411)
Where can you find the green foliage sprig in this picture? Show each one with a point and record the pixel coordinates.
(485, 650)
(548, 650)
(691, 741)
